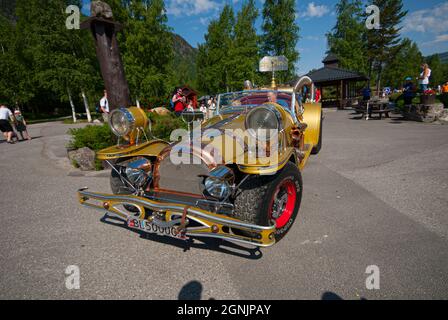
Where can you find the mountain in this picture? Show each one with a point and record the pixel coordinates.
(184, 61)
(443, 57)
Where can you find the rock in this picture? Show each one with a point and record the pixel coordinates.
(443, 116)
(84, 158)
(100, 9)
(161, 111)
(96, 121)
(424, 113)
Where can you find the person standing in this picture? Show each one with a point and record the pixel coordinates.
(203, 109)
(212, 107)
(408, 91)
(423, 80)
(179, 102)
(104, 105)
(317, 95)
(5, 127)
(190, 106)
(366, 93)
(445, 88)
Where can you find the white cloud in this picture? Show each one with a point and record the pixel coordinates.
(433, 20)
(180, 8)
(204, 20)
(315, 11)
(438, 39)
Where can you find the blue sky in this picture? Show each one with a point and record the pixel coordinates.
(426, 23)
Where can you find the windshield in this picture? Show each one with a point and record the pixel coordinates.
(244, 99)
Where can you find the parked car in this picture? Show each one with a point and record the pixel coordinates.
(237, 178)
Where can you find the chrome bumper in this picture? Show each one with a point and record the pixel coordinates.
(208, 224)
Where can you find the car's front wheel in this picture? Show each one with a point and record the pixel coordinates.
(120, 188)
(276, 198)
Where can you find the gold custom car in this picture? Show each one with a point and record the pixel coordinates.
(236, 177)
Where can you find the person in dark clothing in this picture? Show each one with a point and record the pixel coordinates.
(408, 91)
(366, 93)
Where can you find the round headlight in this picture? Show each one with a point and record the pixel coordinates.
(121, 122)
(260, 121)
(217, 188)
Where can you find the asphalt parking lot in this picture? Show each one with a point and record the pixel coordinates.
(377, 194)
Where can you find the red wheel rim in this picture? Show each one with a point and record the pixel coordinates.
(283, 203)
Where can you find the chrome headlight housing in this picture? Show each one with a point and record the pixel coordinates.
(121, 121)
(138, 172)
(219, 182)
(217, 188)
(262, 120)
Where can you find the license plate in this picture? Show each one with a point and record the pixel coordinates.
(151, 227)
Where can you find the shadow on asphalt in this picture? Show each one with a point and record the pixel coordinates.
(197, 243)
(361, 117)
(333, 296)
(191, 291)
(20, 141)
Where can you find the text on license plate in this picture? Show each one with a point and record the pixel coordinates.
(150, 227)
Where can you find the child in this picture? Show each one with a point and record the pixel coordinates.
(21, 124)
(190, 106)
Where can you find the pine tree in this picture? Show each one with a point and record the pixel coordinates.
(384, 43)
(346, 38)
(281, 33)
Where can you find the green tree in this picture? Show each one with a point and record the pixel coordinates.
(405, 64)
(281, 33)
(346, 38)
(384, 43)
(214, 62)
(12, 89)
(58, 60)
(148, 54)
(439, 71)
(245, 47)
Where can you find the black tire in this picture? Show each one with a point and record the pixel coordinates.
(317, 148)
(118, 187)
(253, 203)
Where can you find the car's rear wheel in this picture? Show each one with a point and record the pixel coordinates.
(271, 198)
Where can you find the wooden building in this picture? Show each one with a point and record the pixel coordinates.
(338, 87)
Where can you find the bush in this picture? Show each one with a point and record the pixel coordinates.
(162, 126)
(97, 137)
(93, 137)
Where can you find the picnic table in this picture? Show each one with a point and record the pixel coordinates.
(378, 106)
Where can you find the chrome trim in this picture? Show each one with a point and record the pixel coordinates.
(175, 208)
(223, 173)
(129, 118)
(171, 210)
